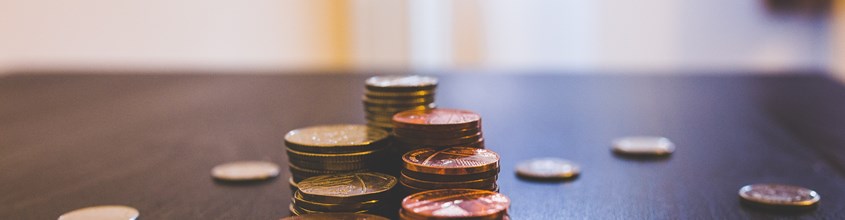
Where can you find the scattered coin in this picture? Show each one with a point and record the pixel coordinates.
(336, 216)
(777, 195)
(548, 168)
(455, 203)
(245, 171)
(107, 212)
(643, 145)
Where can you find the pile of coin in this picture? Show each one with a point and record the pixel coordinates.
(387, 95)
(365, 192)
(455, 204)
(330, 149)
(437, 128)
(450, 168)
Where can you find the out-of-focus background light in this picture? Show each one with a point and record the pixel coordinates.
(289, 36)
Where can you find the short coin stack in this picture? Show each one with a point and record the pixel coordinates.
(365, 192)
(387, 95)
(437, 128)
(455, 204)
(450, 168)
(331, 149)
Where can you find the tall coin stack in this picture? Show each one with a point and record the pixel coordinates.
(450, 168)
(437, 128)
(331, 149)
(365, 192)
(387, 95)
(455, 204)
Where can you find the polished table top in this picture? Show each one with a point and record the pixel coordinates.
(149, 141)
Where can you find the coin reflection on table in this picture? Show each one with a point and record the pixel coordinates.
(455, 203)
(643, 146)
(245, 171)
(779, 196)
(547, 169)
(107, 212)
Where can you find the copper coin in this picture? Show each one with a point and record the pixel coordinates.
(451, 161)
(401, 83)
(487, 183)
(779, 195)
(245, 171)
(450, 178)
(437, 119)
(441, 141)
(395, 109)
(336, 216)
(410, 133)
(455, 203)
(107, 212)
(548, 168)
(348, 187)
(344, 138)
(643, 145)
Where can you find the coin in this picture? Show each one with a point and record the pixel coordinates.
(779, 195)
(344, 138)
(245, 171)
(301, 202)
(455, 203)
(399, 102)
(643, 145)
(400, 83)
(106, 212)
(487, 183)
(437, 119)
(292, 185)
(450, 178)
(344, 188)
(377, 94)
(331, 165)
(441, 141)
(337, 158)
(336, 216)
(411, 133)
(393, 109)
(451, 161)
(548, 168)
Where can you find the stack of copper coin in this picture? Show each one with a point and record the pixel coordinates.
(455, 204)
(364, 192)
(437, 128)
(387, 95)
(450, 168)
(332, 149)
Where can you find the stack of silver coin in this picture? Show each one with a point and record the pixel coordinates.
(386, 95)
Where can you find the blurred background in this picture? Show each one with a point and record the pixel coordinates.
(367, 36)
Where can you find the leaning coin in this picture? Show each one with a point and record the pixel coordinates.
(245, 171)
(547, 169)
(643, 145)
(347, 187)
(107, 212)
(336, 216)
(777, 195)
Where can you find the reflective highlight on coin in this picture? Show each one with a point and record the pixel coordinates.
(336, 216)
(334, 138)
(245, 171)
(401, 81)
(548, 168)
(643, 145)
(336, 188)
(451, 161)
(779, 195)
(436, 117)
(451, 203)
(107, 212)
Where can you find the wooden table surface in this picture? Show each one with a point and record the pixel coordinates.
(149, 141)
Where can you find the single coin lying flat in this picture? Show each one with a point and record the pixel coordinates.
(643, 146)
(245, 171)
(548, 169)
(777, 195)
(106, 212)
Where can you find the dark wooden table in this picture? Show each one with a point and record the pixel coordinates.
(149, 141)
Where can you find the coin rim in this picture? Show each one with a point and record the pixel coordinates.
(412, 166)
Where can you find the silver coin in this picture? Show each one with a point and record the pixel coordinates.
(643, 145)
(401, 81)
(106, 212)
(245, 171)
(779, 195)
(548, 168)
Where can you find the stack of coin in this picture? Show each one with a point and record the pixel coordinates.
(365, 192)
(331, 149)
(455, 204)
(437, 128)
(387, 95)
(450, 168)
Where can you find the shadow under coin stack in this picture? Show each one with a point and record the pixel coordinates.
(332, 149)
(365, 192)
(437, 128)
(386, 95)
(455, 204)
(450, 168)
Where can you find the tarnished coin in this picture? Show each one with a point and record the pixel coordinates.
(437, 118)
(344, 138)
(106, 212)
(336, 216)
(245, 171)
(451, 161)
(345, 188)
(401, 83)
(547, 168)
(779, 195)
(643, 145)
(455, 203)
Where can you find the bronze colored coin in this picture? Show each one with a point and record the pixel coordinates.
(410, 133)
(402, 99)
(337, 158)
(334, 138)
(292, 185)
(337, 216)
(441, 142)
(396, 109)
(777, 195)
(413, 146)
(456, 203)
(102, 212)
(401, 83)
(445, 119)
(301, 202)
(451, 161)
(548, 168)
(644, 145)
(398, 102)
(488, 183)
(346, 188)
(418, 93)
(245, 171)
(450, 178)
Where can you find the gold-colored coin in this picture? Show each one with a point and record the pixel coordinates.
(399, 102)
(643, 146)
(418, 93)
(292, 185)
(332, 166)
(456, 203)
(245, 171)
(299, 201)
(401, 83)
(337, 158)
(300, 174)
(451, 161)
(346, 188)
(337, 216)
(117, 212)
(395, 109)
(343, 138)
(547, 169)
(778, 195)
